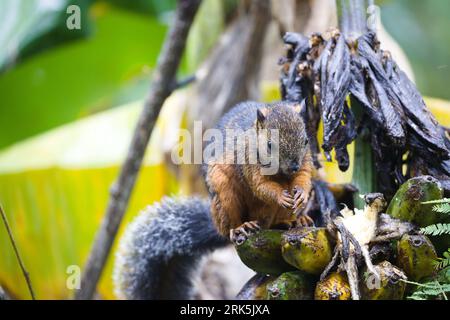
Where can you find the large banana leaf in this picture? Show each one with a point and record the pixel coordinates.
(54, 189)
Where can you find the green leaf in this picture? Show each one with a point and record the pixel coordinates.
(436, 229)
(443, 262)
(439, 201)
(441, 205)
(21, 21)
(155, 8)
(442, 208)
(81, 77)
(429, 289)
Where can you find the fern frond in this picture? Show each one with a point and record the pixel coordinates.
(425, 290)
(440, 201)
(436, 229)
(441, 205)
(418, 295)
(444, 262)
(442, 208)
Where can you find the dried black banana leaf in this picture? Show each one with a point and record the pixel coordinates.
(334, 82)
(382, 97)
(427, 137)
(359, 89)
(294, 85)
(327, 72)
(326, 202)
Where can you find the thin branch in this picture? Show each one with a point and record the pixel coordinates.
(179, 84)
(26, 275)
(161, 88)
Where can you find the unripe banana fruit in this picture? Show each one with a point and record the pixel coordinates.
(416, 256)
(261, 252)
(255, 288)
(388, 287)
(307, 248)
(294, 285)
(334, 287)
(407, 203)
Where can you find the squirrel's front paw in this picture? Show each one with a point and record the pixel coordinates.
(286, 200)
(304, 220)
(241, 233)
(300, 199)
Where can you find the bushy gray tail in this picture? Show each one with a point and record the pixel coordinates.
(162, 247)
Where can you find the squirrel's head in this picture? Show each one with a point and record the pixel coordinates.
(291, 142)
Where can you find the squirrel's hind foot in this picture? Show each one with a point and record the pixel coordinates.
(241, 233)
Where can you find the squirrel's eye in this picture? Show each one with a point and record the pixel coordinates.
(306, 141)
(269, 145)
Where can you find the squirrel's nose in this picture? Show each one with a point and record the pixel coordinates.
(294, 167)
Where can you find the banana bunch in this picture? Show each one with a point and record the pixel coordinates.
(313, 262)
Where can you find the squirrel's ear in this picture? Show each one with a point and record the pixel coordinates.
(298, 107)
(261, 115)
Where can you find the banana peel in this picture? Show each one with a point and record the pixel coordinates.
(294, 285)
(261, 252)
(334, 287)
(309, 249)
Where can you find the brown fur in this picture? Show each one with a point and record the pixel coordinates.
(240, 193)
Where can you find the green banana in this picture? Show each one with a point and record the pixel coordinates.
(334, 287)
(407, 204)
(416, 256)
(307, 248)
(261, 252)
(294, 285)
(388, 287)
(255, 288)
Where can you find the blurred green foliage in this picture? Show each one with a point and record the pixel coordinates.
(57, 33)
(54, 186)
(206, 29)
(22, 22)
(75, 79)
(422, 28)
(58, 75)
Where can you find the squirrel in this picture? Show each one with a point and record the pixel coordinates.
(243, 199)
(164, 244)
